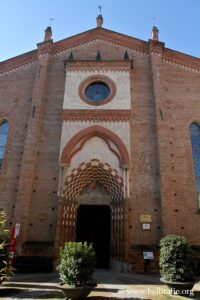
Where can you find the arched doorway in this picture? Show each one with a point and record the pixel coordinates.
(80, 200)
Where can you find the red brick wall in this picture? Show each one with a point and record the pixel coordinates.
(178, 99)
(141, 265)
(15, 103)
(165, 100)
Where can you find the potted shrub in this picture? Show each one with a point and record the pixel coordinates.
(5, 268)
(77, 261)
(176, 267)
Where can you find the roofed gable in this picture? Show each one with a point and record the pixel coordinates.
(104, 35)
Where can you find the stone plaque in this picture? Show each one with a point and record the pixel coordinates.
(146, 226)
(145, 218)
(148, 255)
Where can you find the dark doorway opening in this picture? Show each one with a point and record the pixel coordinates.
(93, 226)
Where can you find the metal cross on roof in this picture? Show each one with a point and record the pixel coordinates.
(50, 21)
(154, 21)
(100, 8)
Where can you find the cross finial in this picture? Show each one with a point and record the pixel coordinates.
(100, 8)
(154, 21)
(50, 21)
(99, 19)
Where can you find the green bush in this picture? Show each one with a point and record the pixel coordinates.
(175, 259)
(5, 268)
(4, 242)
(77, 261)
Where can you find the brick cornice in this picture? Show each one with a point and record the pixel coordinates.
(102, 115)
(108, 36)
(101, 33)
(18, 61)
(181, 58)
(115, 65)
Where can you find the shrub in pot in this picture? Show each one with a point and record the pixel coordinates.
(176, 267)
(77, 262)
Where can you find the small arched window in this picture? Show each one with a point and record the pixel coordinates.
(4, 128)
(195, 141)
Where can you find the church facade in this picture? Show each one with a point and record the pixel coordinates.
(100, 141)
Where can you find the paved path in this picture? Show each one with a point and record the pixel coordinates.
(109, 285)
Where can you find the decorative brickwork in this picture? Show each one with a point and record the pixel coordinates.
(17, 62)
(100, 65)
(101, 33)
(105, 35)
(81, 137)
(97, 78)
(86, 173)
(141, 136)
(111, 115)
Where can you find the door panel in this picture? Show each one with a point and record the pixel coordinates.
(93, 226)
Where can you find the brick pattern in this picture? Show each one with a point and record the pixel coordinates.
(93, 171)
(176, 107)
(79, 178)
(140, 265)
(25, 183)
(15, 63)
(16, 104)
(96, 130)
(101, 34)
(92, 65)
(103, 115)
(164, 92)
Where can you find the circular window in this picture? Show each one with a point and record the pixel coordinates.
(97, 90)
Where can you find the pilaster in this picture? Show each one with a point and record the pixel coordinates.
(25, 183)
(156, 49)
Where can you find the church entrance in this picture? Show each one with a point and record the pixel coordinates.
(92, 209)
(94, 226)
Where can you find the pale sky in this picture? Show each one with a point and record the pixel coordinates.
(22, 22)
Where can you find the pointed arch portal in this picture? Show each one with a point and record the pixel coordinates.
(80, 178)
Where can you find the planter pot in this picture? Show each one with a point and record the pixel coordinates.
(76, 293)
(180, 288)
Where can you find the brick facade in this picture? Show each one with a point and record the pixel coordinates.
(157, 98)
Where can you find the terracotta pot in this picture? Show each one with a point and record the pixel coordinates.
(180, 288)
(76, 293)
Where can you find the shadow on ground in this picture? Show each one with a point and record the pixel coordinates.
(30, 294)
(19, 294)
(53, 294)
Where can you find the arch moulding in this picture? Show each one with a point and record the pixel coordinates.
(70, 149)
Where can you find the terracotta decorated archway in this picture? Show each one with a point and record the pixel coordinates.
(78, 179)
(77, 142)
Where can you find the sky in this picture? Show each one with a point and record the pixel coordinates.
(22, 22)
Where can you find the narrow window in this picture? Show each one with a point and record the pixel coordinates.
(195, 141)
(4, 128)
